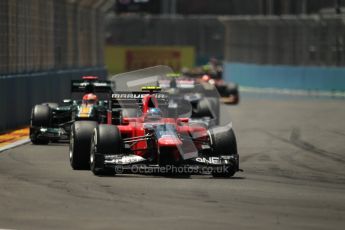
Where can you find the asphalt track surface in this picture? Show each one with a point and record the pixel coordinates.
(292, 151)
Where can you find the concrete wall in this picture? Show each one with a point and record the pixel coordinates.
(286, 77)
(18, 93)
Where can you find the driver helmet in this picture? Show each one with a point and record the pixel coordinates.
(90, 98)
(205, 78)
(207, 68)
(154, 114)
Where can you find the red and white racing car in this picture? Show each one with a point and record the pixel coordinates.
(141, 132)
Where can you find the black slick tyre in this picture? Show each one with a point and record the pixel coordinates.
(106, 140)
(80, 144)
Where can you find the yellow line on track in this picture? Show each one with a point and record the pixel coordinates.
(13, 136)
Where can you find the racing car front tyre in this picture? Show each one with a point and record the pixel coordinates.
(223, 142)
(227, 171)
(80, 144)
(106, 140)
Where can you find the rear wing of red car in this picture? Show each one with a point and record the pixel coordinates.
(125, 99)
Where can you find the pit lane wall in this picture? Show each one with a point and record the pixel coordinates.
(19, 92)
(308, 78)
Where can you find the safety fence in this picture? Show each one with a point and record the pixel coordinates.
(317, 40)
(39, 35)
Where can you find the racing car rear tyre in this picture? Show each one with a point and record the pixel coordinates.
(39, 142)
(202, 109)
(207, 107)
(34, 140)
(41, 116)
(231, 89)
(215, 109)
(106, 140)
(232, 92)
(80, 142)
(222, 90)
(223, 142)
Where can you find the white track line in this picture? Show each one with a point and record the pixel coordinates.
(14, 144)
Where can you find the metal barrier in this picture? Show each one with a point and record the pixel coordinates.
(18, 93)
(329, 79)
(40, 35)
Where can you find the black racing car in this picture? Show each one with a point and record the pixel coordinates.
(202, 98)
(52, 122)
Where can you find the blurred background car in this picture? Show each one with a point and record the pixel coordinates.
(212, 73)
(185, 92)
